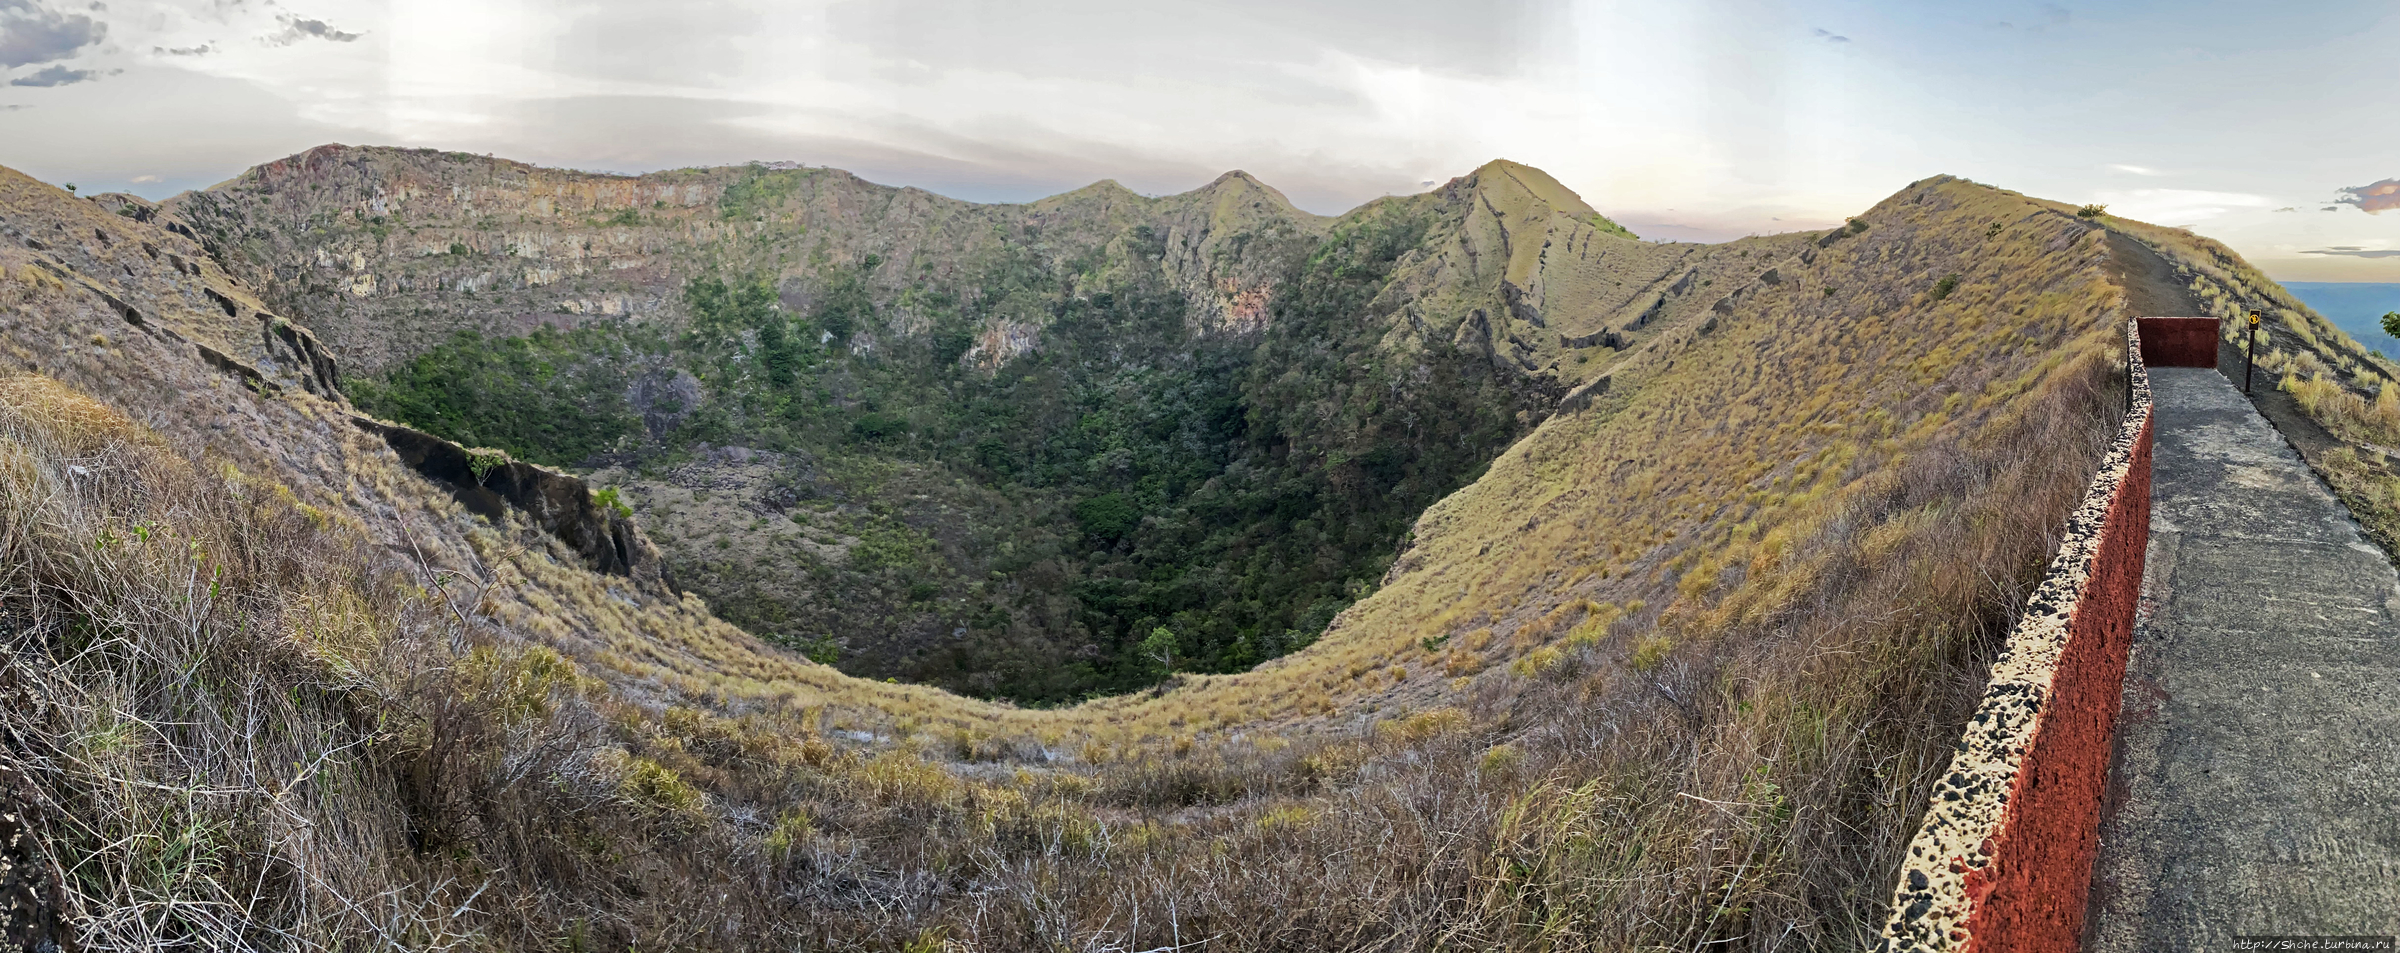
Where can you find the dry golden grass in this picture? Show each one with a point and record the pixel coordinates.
(2334, 380)
(2343, 411)
(186, 659)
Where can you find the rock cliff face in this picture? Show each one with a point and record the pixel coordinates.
(491, 486)
(1524, 270)
(160, 283)
(387, 251)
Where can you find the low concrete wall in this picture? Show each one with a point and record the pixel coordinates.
(2003, 860)
(2179, 342)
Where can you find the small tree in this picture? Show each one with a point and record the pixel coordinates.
(2391, 323)
(1158, 652)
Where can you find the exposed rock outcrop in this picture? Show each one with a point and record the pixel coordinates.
(490, 484)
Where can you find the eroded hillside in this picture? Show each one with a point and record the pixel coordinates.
(1674, 669)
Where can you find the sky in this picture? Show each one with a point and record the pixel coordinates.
(1693, 120)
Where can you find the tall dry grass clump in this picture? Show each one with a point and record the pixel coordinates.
(185, 668)
(2346, 412)
(230, 724)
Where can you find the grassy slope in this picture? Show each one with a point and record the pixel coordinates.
(2334, 382)
(1673, 669)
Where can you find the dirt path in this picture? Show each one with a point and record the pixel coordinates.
(2256, 788)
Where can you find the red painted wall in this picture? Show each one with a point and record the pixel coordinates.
(2179, 342)
(2031, 896)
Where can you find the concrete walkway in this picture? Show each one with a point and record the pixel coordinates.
(2256, 788)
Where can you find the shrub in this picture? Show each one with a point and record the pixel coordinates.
(873, 426)
(791, 831)
(2094, 210)
(1650, 651)
(654, 786)
(1107, 516)
(483, 460)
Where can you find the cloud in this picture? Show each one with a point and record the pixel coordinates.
(1831, 37)
(2052, 15)
(296, 29)
(2178, 205)
(2372, 198)
(56, 76)
(145, 179)
(2349, 251)
(30, 33)
(2287, 208)
(2135, 169)
(2333, 208)
(12, 107)
(202, 50)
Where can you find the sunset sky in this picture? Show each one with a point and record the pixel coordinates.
(1702, 120)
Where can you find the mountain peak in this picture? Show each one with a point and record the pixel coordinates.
(1239, 182)
(1107, 188)
(1506, 175)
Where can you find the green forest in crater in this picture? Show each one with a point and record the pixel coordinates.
(1165, 499)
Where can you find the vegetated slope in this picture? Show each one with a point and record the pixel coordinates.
(2337, 400)
(1673, 671)
(999, 449)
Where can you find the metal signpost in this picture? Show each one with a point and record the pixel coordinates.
(2250, 353)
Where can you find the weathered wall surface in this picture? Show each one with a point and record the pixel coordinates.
(2179, 342)
(2031, 897)
(2003, 860)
